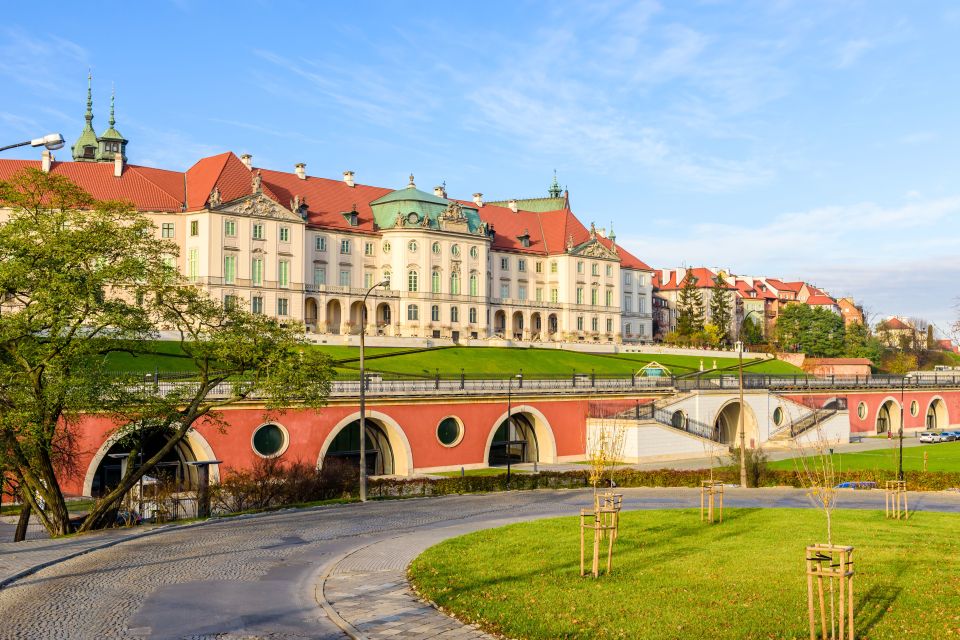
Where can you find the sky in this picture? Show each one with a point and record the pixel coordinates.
(803, 140)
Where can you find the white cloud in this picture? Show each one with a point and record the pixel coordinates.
(39, 62)
(852, 50)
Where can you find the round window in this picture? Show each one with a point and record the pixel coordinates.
(455, 250)
(914, 408)
(449, 431)
(270, 440)
(412, 246)
(436, 248)
(862, 410)
(679, 420)
(778, 416)
(474, 252)
(386, 247)
(413, 218)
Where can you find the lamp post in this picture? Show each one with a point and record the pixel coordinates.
(519, 376)
(363, 394)
(743, 435)
(52, 141)
(903, 383)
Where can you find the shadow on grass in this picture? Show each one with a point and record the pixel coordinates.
(873, 606)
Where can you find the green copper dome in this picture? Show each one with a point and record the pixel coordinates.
(111, 142)
(87, 146)
(416, 208)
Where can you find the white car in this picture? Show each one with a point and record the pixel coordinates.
(930, 436)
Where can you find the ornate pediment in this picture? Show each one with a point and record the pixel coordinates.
(594, 249)
(257, 205)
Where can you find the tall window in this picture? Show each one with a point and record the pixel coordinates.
(642, 304)
(642, 281)
(257, 231)
(193, 264)
(609, 298)
(539, 294)
(283, 307)
(522, 292)
(504, 264)
(319, 275)
(553, 266)
(321, 243)
(609, 325)
(455, 284)
(643, 330)
(413, 312)
(554, 295)
(284, 234)
(368, 248)
(412, 246)
(229, 269)
(166, 231)
(580, 266)
(413, 280)
(345, 277)
(595, 269)
(435, 281)
(345, 247)
(627, 329)
(474, 285)
(579, 295)
(256, 272)
(579, 323)
(593, 323)
(386, 278)
(367, 280)
(435, 313)
(472, 315)
(594, 297)
(194, 227)
(283, 273)
(538, 267)
(628, 303)
(504, 290)
(454, 314)
(256, 305)
(521, 264)
(230, 301)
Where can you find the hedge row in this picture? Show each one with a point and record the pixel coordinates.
(390, 487)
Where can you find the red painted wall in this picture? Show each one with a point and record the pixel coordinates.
(875, 399)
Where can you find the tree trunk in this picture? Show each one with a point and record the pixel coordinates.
(21, 533)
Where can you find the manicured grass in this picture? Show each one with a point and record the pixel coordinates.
(944, 456)
(674, 577)
(499, 471)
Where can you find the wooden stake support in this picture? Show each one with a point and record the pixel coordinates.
(609, 503)
(896, 499)
(711, 500)
(601, 522)
(831, 568)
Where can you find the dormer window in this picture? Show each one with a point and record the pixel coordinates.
(524, 239)
(89, 152)
(352, 218)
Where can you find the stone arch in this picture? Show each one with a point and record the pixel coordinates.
(889, 416)
(500, 322)
(516, 325)
(399, 444)
(333, 316)
(357, 315)
(536, 325)
(546, 443)
(384, 316)
(311, 312)
(553, 326)
(198, 446)
(937, 416)
(727, 424)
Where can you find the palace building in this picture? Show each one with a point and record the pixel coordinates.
(307, 248)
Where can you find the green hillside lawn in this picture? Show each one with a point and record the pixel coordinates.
(943, 456)
(674, 577)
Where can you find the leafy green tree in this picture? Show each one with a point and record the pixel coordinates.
(814, 331)
(858, 343)
(82, 279)
(712, 335)
(750, 331)
(720, 314)
(689, 308)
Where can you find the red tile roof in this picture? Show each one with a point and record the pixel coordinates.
(821, 300)
(704, 279)
(147, 188)
(895, 323)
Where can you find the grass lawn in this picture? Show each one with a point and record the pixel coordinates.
(943, 456)
(674, 577)
(499, 471)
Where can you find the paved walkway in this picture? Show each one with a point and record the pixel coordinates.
(313, 573)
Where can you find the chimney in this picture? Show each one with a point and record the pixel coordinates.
(478, 199)
(117, 165)
(348, 178)
(247, 160)
(46, 160)
(513, 205)
(301, 170)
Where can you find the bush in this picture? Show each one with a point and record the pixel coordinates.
(756, 465)
(272, 483)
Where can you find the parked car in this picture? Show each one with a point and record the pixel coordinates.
(949, 436)
(930, 436)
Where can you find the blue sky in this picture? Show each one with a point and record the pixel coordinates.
(807, 140)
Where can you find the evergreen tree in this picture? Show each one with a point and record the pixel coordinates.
(689, 308)
(720, 307)
(814, 331)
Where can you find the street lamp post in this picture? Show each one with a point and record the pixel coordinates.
(903, 382)
(52, 141)
(743, 435)
(363, 394)
(519, 376)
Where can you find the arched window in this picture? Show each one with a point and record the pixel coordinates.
(435, 281)
(474, 285)
(455, 283)
(412, 246)
(436, 248)
(413, 312)
(413, 280)
(386, 277)
(435, 313)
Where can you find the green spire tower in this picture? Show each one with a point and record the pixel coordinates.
(111, 142)
(85, 149)
(555, 191)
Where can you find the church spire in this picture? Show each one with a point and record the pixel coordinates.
(111, 143)
(113, 96)
(555, 190)
(85, 149)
